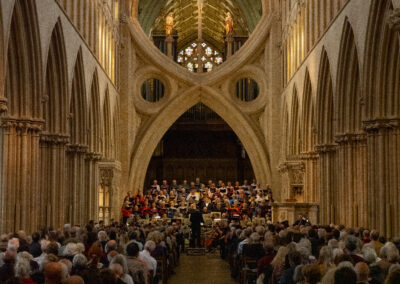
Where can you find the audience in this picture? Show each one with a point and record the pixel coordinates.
(130, 252)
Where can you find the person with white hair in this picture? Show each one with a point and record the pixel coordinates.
(103, 238)
(389, 255)
(23, 270)
(145, 255)
(71, 249)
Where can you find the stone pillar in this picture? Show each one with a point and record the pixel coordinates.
(383, 198)
(52, 179)
(352, 177)
(229, 42)
(20, 198)
(169, 41)
(75, 184)
(92, 184)
(310, 161)
(328, 210)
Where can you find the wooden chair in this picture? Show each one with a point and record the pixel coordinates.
(249, 269)
(163, 271)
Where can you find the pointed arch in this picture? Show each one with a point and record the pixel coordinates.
(156, 127)
(107, 123)
(55, 106)
(95, 129)
(294, 125)
(382, 63)
(78, 121)
(349, 108)
(325, 121)
(307, 117)
(24, 71)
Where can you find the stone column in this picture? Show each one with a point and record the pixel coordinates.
(229, 42)
(20, 199)
(75, 184)
(169, 41)
(383, 198)
(92, 183)
(328, 210)
(310, 160)
(352, 182)
(52, 179)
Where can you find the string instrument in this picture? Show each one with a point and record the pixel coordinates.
(208, 243)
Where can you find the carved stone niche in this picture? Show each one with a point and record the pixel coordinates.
(109, 176)
(394, 20)
(106, 176)
(293, 180)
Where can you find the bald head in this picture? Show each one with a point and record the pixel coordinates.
(362, 271)
(111, 245)
(74, 280)
(53, 273)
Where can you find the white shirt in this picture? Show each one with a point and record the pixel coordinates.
(127, 279)
(150, 261)
(40, 259)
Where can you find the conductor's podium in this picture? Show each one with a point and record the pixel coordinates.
(196, 251)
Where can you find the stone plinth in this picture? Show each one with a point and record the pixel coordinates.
(282, 211)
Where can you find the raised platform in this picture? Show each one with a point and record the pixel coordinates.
(195, 251)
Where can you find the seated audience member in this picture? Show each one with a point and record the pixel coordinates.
(136, 268)
(345, 275)
(53, 273)
(266, 260)
(362, 272)
(294, 260)
(351, 245)
(145, 255)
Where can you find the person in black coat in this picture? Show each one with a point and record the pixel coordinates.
(196, 218)
(34, 248)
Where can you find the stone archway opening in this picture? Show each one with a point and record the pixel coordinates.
(200, 144)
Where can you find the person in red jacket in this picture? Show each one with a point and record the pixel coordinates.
(126, 212)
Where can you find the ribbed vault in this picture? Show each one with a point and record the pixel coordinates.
(246, 14)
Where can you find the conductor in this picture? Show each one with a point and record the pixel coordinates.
(196, 218)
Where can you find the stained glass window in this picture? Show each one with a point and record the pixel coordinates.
(209, 66)
(190, 56)
(189, 51)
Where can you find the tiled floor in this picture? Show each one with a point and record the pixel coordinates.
(207, 269)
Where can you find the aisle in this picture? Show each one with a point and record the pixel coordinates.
(207, 269)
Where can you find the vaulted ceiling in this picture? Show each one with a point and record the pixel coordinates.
(246, 14)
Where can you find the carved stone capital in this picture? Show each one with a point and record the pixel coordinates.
(291, 165)
(77, 148)
(394, 20)
(312, 155)
(93, 156)
(325, 148)
(348, 138)
(381, 124)
(3, 105)
(22, 125)
(54, 138)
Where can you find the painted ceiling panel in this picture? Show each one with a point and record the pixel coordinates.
(246, 14)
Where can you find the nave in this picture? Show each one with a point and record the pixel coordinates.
(202, 269)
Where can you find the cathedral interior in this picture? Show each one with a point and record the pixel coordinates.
(100, 97)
